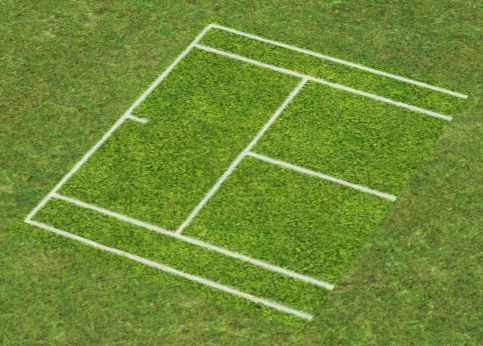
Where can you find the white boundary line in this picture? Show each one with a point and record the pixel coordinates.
(339, 61)
(196, 242)
(321, 81)
(170, 270)
(323, 176)
(242, 155)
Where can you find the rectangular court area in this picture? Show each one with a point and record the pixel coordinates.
(253, 167)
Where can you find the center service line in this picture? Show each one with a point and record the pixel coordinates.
(240, 157)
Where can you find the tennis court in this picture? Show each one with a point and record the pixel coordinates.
(253, 167)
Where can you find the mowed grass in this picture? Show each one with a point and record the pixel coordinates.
(72, 68)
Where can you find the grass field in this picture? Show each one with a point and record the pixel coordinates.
(251, 173)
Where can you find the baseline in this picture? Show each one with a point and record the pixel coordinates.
(165, 268)
(118, 123)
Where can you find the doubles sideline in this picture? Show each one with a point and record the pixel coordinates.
(167, 269)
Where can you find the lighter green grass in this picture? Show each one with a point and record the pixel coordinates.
(201, 117)
(205, 112)
(352, 137)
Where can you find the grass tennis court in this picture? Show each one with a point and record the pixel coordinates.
(252, 167)
(259, 194)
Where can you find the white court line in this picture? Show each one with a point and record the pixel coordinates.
(165, 268)
(323, 176)
(321, 81)
(197, 242)
(340, 61)
(242, 154)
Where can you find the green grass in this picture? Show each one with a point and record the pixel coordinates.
(201, 117)
(290, 219)
(72, 68)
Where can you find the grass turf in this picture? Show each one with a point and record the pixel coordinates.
(202, 116)
(352, 137)
(73, 67)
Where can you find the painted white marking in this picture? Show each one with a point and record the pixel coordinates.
(323, 176)
(140, 120)
(321, 81)
(407, 80)
(170, 270)
(242, 154)
(197, 242)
